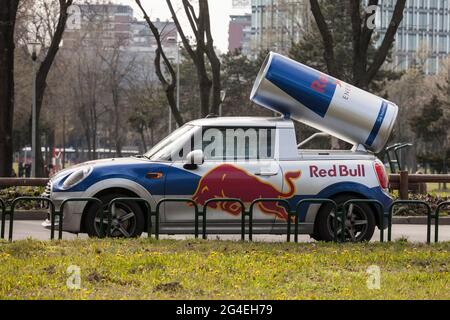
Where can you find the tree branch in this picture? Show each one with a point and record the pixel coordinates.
(183, 37)
(367, 32)
(190, 13)
(389, 37)
(358, 59)
(54, 47)
(169, 85)
(327, 38)
(44, 69)
(213, 59)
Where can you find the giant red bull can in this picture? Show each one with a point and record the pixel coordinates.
(323, 102)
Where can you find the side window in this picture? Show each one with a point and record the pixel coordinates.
(238, 143)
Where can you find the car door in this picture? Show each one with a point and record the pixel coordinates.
(238, 163)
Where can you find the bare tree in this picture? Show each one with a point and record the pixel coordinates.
(202, 54)
(53, 27)
(87, 89)
(148, 105)
(363, 73)
(169, 82)
(8, 11)
(117, 68)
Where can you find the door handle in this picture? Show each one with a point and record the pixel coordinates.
(266, 174)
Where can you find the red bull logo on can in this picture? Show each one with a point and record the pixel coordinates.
(229, 181)
(313, 89)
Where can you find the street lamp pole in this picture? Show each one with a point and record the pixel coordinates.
(223, 94)
(178, 76)
(170, 120)
(34, 48)
(33, 124)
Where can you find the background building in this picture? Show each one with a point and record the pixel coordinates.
(112, 26)
(276, 24)
(239, 33)
(424, 35)
(99, 24)
(143, 39)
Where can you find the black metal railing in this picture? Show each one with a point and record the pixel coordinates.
(411, 202)
(296, 214)
(339, 217)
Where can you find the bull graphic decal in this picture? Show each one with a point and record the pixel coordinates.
(229, 181)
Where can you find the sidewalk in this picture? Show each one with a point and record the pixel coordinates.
(42, 215)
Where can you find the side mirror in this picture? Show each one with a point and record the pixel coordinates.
(194, 159)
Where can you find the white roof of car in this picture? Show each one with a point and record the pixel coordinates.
(279, 122)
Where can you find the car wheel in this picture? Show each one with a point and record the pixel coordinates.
(359, 224)
(127, 218)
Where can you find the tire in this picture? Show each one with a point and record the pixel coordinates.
(130, 227)
(361, 225)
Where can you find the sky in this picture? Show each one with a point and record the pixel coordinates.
(220, 11)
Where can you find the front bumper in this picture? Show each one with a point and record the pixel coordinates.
(72, 213)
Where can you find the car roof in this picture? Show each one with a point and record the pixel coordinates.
(278, 122)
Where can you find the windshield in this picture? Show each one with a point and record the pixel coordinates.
(163, 150)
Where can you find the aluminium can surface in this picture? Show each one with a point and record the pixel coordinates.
(324, 102)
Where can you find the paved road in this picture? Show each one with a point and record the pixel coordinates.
(414, 233)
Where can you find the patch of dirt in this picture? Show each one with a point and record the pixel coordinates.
(50, 270)
(443, 267)
(169, 287)
(95, 277)
(422, 263)
(146, 267)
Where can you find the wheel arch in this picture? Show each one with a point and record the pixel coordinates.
(124, 187)
(357, 195)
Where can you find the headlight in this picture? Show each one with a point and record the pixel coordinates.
(76, 177)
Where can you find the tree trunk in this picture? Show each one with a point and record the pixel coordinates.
(94, 131)
(362, 35)
(41, 77)
(63, 153)
(169, 85)
(8, 10)
(117, 135)
(144, 143)
(212, 57)
(152, 136)
(216, 87)
(87, 136)
(205, 88)
(51, 145)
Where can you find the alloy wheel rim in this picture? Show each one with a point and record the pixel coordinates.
(356, 224)
(123, 223)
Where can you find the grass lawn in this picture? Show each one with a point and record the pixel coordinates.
(169, 269)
